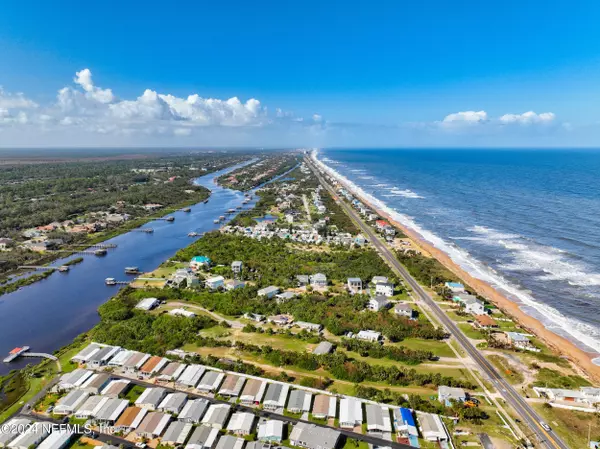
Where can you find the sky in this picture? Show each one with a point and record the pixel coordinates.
(302, 74)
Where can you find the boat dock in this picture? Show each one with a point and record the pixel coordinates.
(24, 352)
(94, 252)
(113, 281)
(99, 245)
(169, 218)
(146, 230)
(62, 268)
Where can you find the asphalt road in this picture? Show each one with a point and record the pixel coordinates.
(529, 416)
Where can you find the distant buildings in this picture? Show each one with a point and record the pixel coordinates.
(354, 285)
(199, 262)
(318, 280)
(448, 394)
(236, 266)
(323, 348)
(369, 335)
(384, 289)
(214, 283)
(378, 303)
(268, 292)
(405, 310)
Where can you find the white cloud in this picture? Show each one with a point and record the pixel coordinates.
(528, 118)
(84, 79)
(317, 118)
(182, 131)
(466, 117)
(15, 101)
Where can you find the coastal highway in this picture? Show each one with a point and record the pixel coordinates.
(529, 416)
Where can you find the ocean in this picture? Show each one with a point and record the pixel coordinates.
(525, 221)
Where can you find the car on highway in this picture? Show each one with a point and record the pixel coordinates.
(546, 427)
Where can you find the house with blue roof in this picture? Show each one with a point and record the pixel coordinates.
(198, 262)
(405, 425)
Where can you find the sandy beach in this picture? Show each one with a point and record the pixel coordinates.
(559, 344)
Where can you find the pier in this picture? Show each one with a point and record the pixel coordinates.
(98, 245)
(169, 218)
(95, 252)
(146, 230)
(62, 268)
(113, 281)
(24, 352)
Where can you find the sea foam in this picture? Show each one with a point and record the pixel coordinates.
(585, 335)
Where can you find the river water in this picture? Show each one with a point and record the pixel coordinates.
(51, 313)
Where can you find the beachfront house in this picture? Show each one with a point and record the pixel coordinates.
(475, 307)
(520, 341)
(378, 280)
(455, 287)
(354, 285)
(199, 262)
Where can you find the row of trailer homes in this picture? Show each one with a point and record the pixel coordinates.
(158, 400)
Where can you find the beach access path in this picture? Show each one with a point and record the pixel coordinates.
(547, 438)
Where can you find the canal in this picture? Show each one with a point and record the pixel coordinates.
(51, 313)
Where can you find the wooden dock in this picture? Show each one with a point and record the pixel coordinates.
(146, 230)
(98, 245)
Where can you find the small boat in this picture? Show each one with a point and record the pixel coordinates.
(110, 281)
(170, 218)
(187, 209)
(216, 221)
(132, 270)
(100, 252)
(221, 217)
(238, 207)
(231, 211)
(63, 268)
(206, 201)
(192, 234)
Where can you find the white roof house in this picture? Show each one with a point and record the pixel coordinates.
(193, 411)
(172, 371)
(276, 396)
(57, 440)
(230, 442)
(270, 431)
(71, 402)
(268, 292)
(12, 429)
(120, 358)
(173, 403)
(369, 335)
(111, 410)
(74, 379)
(378, 418)
(318, 280)
(300, 401)
(241, 423)
(115, 387)
(215, 282)
(147, 304)
(176, 433)
(378, 303)
(151, 398)
(91, 407)
(96, 383)
(216, 415)
(455, 287)
(351, 413)
(447, 394)
(31, 437)
(379, 279)
(102, 356)
(384, 289)
(182, 312)
(475, 307)
(210, 381)
(135, 361)
(191, 376)
(204, 437)
(432, 427)
(83, 355)
(309, 436)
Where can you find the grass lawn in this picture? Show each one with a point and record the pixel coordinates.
(550, 378)
(355, 444)
(275, 341)
(78, 444)
(460, 319)
(570, 425)
(217, 332)
(134, 393)
(471, 332)
(439, 348)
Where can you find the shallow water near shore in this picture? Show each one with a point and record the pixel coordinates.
(525, 221)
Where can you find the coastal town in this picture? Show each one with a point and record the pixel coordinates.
(286, 327)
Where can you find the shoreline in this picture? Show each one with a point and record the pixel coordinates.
(557, 343)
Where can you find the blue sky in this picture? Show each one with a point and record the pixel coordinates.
(323, 73)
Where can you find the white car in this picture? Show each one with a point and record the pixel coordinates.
(546, 427)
